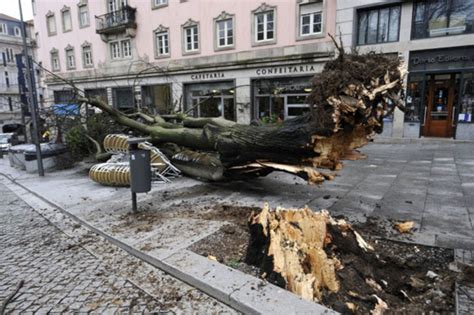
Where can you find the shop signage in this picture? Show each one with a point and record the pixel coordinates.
(208, 75)
(440, 59)
(285, 70)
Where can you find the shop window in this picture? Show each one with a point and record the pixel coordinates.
(414, 99)
(55, 66)
(466, 101)
(97, 93)
(123, 98)
(280, 99)
(66, 19)
(224, 31)
(264, 25)
(442, 18)
(161, 42)
(70, 58)
(212, 100)
(87, 60)
(157, 99)
(64, 97)
(83, 12)
(379, 25)
(311, 19)
(51, 23)
(190, 37)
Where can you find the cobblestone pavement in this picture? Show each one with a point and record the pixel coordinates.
(60, 275)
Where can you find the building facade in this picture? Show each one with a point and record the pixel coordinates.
(436, 40)
(211, 58)
(10, 45)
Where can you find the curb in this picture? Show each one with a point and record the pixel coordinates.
(394, 140)
(464, 294)
(240, 291)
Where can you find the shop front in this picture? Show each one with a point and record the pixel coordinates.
(277, 99)
(211, 99)
(440, 93)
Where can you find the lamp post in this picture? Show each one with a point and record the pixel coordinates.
(31, 100)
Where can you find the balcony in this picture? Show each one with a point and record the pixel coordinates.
(120, 21)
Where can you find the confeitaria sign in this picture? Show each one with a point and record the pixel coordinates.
(309, 68)
(285, 70)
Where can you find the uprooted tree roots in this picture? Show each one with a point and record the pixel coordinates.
(345, 112)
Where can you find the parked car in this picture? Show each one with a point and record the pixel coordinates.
(7, 140)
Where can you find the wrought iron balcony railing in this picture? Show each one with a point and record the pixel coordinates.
(116, 21)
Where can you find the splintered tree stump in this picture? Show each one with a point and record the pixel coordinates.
(288, 245)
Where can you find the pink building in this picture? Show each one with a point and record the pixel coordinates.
(242, 60)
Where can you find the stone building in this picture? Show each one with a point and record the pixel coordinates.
(214, 58)
(436, 39)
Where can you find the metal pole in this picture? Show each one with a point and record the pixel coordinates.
(34, 113)
(134, 202)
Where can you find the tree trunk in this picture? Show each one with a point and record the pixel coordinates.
(345, 111)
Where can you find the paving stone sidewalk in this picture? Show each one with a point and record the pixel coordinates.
(62, 277)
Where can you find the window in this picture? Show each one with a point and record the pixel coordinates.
(7, 79)
(225, 33)
(10, 56)
(466, 103)
(265, 26)
(55, 66)
(311, 19)
(66, 18)
(442, 18)
(115, 50)
(159, 3)
(83, 15)
(17, 31)
(87, 55)
(162, 47)
(33, 6)
(190, 37)
(211, 100)
(126, 49)
(123, 98)
(3, 28)
(380, 25)
(279, 99)
(51, 23)
(70, 58)
(10, 104)
(414, 98)
(120, 49)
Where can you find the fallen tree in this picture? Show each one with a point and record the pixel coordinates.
(345, 111)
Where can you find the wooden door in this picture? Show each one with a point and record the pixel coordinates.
(439, 106)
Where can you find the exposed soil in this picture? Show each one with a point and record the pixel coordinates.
(409, 278)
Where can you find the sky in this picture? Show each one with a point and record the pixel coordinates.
(10, 7)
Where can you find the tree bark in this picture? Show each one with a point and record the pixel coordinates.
(345, 113)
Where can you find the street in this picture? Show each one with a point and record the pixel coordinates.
(61, 276)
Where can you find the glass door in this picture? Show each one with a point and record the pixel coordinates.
(439, 107)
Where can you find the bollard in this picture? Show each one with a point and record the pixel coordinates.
(140, 169)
